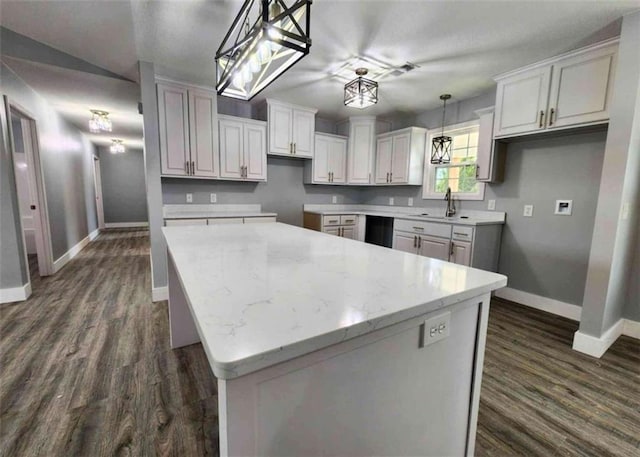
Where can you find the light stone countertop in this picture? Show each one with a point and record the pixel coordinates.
(200, 211)
(262, 294)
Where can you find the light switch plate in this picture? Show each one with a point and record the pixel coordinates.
(436, 328)
(528, 211)
(213, 198)
(410, 201)
(491, 205)
(189, 198)
(334, 199)
(391, 201)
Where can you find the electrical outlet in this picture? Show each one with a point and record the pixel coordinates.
(391, 201)
(410, 201)
(491, 205)
(528, 211)
(334, 199)
(189, 198)
(625, 211)
(213, 198)
(436, 329)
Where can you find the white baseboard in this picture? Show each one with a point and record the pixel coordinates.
(93, 235)
(14, 294)
(549, 305)
(125, 224)
(159, 294)
(631, 328)
(71, 253)
(595, 346)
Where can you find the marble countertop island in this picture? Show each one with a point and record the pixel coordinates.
(260, 295)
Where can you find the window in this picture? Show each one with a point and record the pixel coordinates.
(460, 174)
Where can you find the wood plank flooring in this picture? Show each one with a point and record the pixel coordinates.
(86, 370)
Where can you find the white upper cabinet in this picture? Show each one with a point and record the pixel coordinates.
(329, 164)
(571, 90)
(291, 129)
(188, 129)
(400, 156)
(362, 150)
(243, 149)
(491, 154)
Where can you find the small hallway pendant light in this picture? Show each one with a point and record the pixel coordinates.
(361, 92)
(441, 145)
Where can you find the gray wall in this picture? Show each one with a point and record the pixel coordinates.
(66, 158)
(283, 193)
(123, 189)
(632, 309)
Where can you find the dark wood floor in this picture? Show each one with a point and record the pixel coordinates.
(86, 370)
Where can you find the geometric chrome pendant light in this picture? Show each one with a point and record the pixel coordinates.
(441, 145)
(266, 38)
(361, 92)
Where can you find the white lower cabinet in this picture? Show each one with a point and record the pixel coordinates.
(342, 225)
(243, 149)
(434, 247)
(220, 220)
(460, 253)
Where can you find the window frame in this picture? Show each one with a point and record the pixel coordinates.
(429, 175)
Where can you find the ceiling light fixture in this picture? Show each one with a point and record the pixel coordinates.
(117, 147)
(361, 92)
(441, 145)
(99, 121)
(266, 38)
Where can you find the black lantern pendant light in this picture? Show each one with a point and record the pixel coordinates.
(441, 145)
(361, 92)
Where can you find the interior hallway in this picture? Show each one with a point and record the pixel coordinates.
(86, 370)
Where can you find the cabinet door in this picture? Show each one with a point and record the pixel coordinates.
(173, 109)
(349, 232)
(337, 160)
(384, 149)
(461, 253)
(581, 88)
(521, 102)
(321, 159)
(401, 153)
(255, 151)
(405, 242)
(304, 126)
(280, 130)
(436, 248)
(361, 152)
(231, 148)
(332, 231)
(484, 164)
(203, 132)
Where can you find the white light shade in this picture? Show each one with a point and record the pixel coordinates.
(99, 122)
(117, 147)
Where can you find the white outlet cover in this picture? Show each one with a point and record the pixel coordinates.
(334, 199)
(410, 201)
(436, 328)
(189, 198)
(391, 201)
(564, 207)
(214, 198)
(528, 211)
(491, 205)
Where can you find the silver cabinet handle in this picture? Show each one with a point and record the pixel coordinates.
(551, 116)
(295, 148)
(391, 176)
(477, 171)
(186, 167)
(419, 242)
(451, 251)
(415, 241)
(418, 228)
(193, 168)
(387, 176)
(541, 118)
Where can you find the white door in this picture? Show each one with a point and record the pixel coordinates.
(337, 160)
(484, 161)
(405, 242)
(521, 102)
(361, 152)
(231, 148)
(581, 88)
(97, 181)
(304, 127)
(203, 133)
(461, 253)
(255, 151)
(436, 248)
(321, 159)
(280, 130)
(173, 109)
(384, 150)
(400, 158)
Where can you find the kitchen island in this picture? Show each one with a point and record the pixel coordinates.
(328, 346)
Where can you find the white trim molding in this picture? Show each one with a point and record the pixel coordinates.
(631, 328)
(159, 293)
(71, 253)
(15, 294)
(125, 224)
(549, 305)
(93, 235)
(594, 346)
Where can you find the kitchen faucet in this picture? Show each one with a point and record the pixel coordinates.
(451, 204)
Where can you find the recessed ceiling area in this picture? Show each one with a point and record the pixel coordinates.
(457, 46)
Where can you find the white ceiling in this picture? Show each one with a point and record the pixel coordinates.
(459, 46)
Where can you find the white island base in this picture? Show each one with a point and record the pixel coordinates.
(382, 393)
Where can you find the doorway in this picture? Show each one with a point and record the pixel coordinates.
(34, 219)
(97, 182)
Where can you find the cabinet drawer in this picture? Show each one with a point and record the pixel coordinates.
(256, 220)
(423, 228)
(176, 222)
(225, 220)
(330, 220)
(462, 233)
(348, 220)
